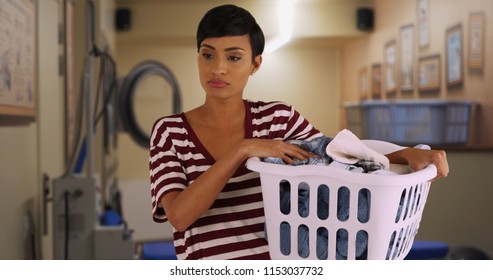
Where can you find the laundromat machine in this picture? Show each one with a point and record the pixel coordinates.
(87, 221)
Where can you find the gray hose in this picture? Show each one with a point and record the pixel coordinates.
(127, 92)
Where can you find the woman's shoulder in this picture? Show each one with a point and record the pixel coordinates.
(169, 121)
(268, 106)
(166, 126)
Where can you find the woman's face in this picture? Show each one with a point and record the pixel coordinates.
(225, 63)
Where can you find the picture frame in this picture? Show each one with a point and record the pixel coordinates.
(18, 61)
(406, 77)
(454, 55)
(429, 73)
(476, 42)
(376, 81)
(390, 67)
(363, 84)
(423, 18)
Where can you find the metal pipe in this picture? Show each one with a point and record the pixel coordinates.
(88, 78)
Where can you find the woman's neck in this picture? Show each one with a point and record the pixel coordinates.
(222, 112)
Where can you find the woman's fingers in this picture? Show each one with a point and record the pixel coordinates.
(440, 161)
(263, 148)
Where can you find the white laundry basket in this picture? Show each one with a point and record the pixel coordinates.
(395, 206)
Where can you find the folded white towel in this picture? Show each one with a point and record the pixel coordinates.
(348, 148)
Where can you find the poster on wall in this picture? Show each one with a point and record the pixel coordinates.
(17, 58)
(454, 49)
(424, 22)
(407, 58)
(476, 41)
(429, 73)
(389, 67)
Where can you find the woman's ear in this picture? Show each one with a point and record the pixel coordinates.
(256, 64)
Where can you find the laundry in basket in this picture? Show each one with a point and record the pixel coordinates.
(322, 212)
(394, 207)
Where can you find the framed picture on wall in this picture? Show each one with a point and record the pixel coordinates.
(454, 65)
(476, 41)
(376, 81)
(18, 60)
(389, 67)
(423, 22)
(363, 84)
(429, 73)
(406, 76)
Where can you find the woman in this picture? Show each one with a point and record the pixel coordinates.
(198, 179)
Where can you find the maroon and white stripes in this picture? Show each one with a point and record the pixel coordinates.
(233, 228)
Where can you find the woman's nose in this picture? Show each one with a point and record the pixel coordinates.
(219, 67)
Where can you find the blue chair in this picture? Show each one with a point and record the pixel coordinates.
(428, 250)
(158, 251)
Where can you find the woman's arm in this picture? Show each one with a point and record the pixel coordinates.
(418, 159)
(183, 208)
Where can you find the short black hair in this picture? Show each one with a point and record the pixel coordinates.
(231, 20)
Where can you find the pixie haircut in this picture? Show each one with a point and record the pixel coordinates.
(231, 20)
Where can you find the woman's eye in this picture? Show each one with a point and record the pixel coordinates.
(207, 55)
(234, 58)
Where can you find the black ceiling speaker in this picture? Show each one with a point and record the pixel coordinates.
(123, 19)
(364, 19)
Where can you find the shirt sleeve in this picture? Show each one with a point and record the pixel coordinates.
(288, 124)
(165, 168)
(300, 128)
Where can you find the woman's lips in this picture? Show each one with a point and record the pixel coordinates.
(217, 83)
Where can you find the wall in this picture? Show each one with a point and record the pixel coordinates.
(457, 204)
(390, 16)
(29, 151)
(458, 208)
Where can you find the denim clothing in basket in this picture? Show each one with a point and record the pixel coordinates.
(322, 236)
(316, 146)
(369, 160)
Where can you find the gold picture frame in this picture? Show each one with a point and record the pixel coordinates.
(18, 61)
(454, 55)
(429, 73)
(423, 15)
(390, 68)
(406, 67)
(476, 41)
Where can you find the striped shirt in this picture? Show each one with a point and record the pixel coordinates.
(233, 227)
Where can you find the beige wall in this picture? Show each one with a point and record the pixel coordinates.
(459, 206)
(309, 73)
(29, 151)
(390, 16)
(314, 73)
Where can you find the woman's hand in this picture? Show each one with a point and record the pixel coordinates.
(418, 159)
(263, 148)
